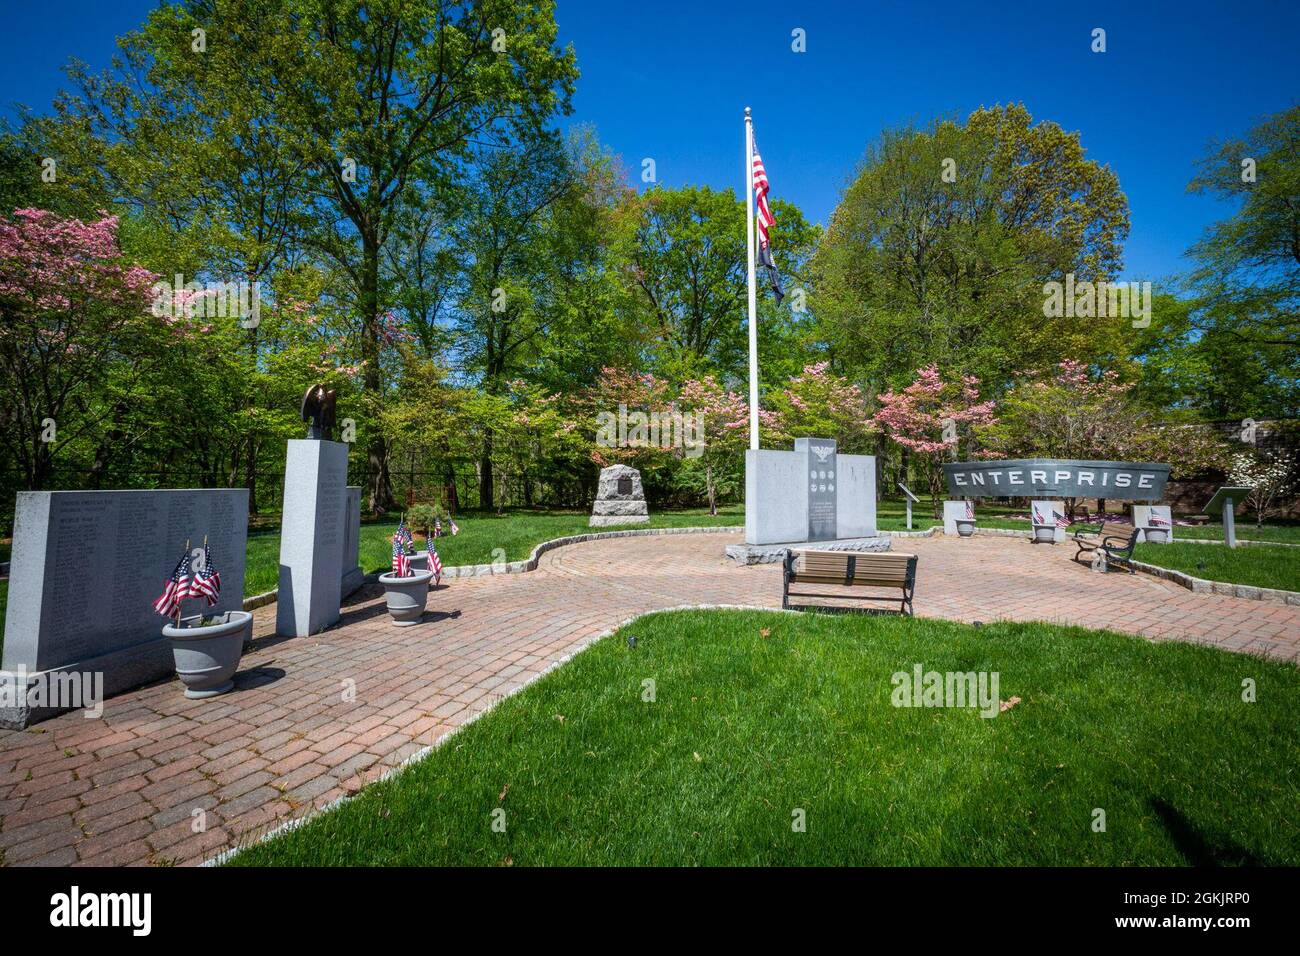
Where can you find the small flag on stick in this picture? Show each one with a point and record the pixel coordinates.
(435, 565)
(207, 580)
(401, 563)
(177, 588)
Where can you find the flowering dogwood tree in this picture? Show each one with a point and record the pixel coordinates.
(723, 420)
(932, 418)
(70, 306)
(1269, 475)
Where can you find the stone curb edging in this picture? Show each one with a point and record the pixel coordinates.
(521, 567)
(938, 529)
(291, 825)
(1203, 586)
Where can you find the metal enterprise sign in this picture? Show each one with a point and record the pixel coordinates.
(1050, 477)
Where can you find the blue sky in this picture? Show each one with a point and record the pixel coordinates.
(669, 80)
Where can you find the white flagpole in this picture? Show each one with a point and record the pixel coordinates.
(749, 249)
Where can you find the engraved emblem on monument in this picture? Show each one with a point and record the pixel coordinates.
(821, 460)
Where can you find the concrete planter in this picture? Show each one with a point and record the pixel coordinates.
(406, 597)
(207, 655)
(419, 561)
(1156, 535)
(965, 527)
(1044, 534)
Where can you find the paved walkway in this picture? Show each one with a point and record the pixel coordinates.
(129, 788)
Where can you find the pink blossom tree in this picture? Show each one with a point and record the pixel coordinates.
(722, 417)
(932, 418)
(70, 306)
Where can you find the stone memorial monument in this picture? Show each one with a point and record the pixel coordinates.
(620, 499)
(314, 523)
(85, 570)
(809, 496)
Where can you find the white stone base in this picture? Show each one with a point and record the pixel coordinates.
(609, 521)
(771, 553)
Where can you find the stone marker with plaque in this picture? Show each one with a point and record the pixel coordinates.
(620, 499)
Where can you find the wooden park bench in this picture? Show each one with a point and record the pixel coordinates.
(850, 569)
(1114, 541)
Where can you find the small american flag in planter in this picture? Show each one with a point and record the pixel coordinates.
(177, 588)
(207, 581)
(401, 563)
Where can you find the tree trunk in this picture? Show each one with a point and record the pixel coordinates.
(486, 489)
(713, 497)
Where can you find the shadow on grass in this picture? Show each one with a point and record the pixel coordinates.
(1194, 847)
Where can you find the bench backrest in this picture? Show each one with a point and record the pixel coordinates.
(870, 569)
(1112, 529)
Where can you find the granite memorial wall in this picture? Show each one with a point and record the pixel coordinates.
(86, 567)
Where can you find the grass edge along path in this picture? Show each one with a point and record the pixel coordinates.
(1259, 566)
(757, 716)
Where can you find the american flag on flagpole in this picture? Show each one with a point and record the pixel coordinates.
(207, 580)
(970, 511)
(765, 219)
(1158, 521)
(1061, 520)
(435, 565)
(452, 524)
(437, 527)
(177, 588)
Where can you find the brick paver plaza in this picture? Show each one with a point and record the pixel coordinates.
(291, 738)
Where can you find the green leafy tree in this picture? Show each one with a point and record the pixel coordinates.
(940, 247)
(1248, 265)
(687, 268)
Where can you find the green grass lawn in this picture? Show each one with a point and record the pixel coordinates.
(758, 715)
(482, 539)
(1263, 567)
(1246, 531)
